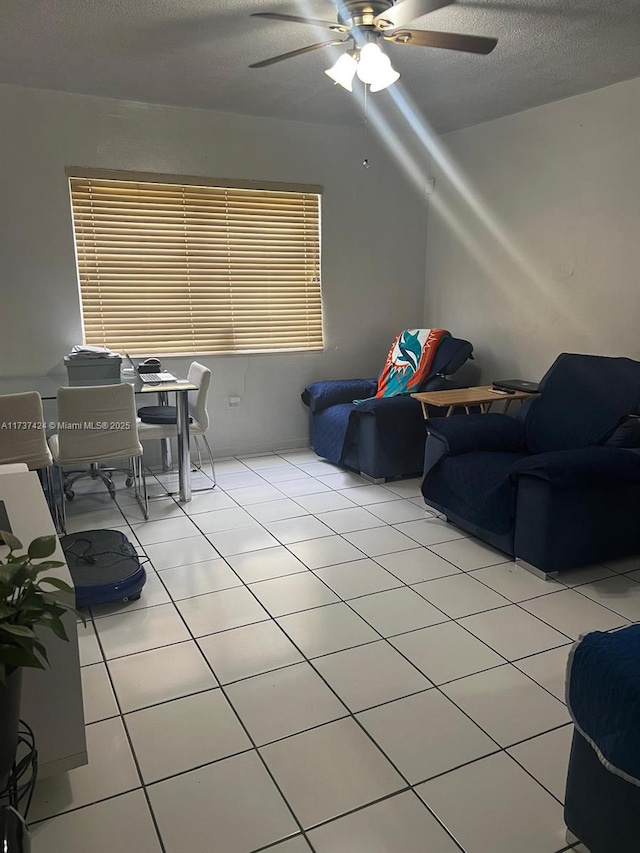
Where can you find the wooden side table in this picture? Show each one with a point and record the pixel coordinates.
(480, 395)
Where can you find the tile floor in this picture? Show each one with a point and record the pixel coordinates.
(318, 664)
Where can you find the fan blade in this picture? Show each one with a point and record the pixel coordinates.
(405, 11)
(276, 16)
(293, 53)
(445, 41)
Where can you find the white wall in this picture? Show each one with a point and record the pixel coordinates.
(370, 293)
(544, 255)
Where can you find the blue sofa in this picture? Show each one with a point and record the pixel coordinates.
(557, 486)
(382, 438)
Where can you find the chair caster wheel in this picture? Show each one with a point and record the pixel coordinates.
(69, 494)
(128, 482)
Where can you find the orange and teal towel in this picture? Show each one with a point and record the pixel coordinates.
(409, 361)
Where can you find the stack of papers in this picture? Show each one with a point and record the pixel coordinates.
(86, 351)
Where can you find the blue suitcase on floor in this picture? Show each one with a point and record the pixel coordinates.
(104, 567)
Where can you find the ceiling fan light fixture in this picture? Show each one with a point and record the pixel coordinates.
(343, 71)
(385, 79)
(371, 63)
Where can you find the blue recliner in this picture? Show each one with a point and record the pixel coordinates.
(382, 438)
(557, 486)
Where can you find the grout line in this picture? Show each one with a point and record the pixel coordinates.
(310, 661)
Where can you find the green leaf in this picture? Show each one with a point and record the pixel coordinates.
(42, 547)
(12, 541)
(17, 630)
(58, 584)
(12, 656)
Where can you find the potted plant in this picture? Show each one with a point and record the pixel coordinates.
(27, 602)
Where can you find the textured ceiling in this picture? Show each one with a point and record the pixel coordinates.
(196, 53)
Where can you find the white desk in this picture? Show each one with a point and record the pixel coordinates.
(51, 698)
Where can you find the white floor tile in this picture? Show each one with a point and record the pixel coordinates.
(167, 530)
(319, 467)
(160, 675)
(256, 494)
(328, 551)
(294, 845)
(97, 694)
(88, 644)
(291, 593)
(140, 630)
(514, 582)
(298, 529)
(507, 704)
(619, 593)
(348, 771)
(284, 702)
(549, 669)
(460, 595)
(193, 731)
(586, 574)
(406, 488)
(122, 823)
(397, 512)
(207, 502)
(397, 611)
(430, 531)
(546, 757)
(469, 554)
(267, 460)
(425, 735)
(342, 480)
(573, 614)
(367, 495)
(110, 771)
(276, 510)
(360, 577)
(381, 540)
(327, 629)
(399, 824)
(219, 520)
(285, 473)
(417, 565)
(232, 542)
(444, 652)
(513, 633)
(299, 457)
(239, 480)
(219, 611)
(369, 675)
(246, 813)
(101, 519)
(348, 520)
(160, 509)
(264, 564)
(250, 650)
(230, 465)
(168, 555)
(493, 806)
(324, 501)
(199, 578)
(308, 486)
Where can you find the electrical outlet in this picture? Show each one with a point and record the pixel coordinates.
(232, 402)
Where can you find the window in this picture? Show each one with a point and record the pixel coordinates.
(167, 267)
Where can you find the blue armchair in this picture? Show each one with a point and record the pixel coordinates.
(383, 438)
(559, 485)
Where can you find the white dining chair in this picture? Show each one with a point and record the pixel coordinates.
(160, 422)
(97, 424)
(23, 438)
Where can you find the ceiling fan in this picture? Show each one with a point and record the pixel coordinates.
(367, 22)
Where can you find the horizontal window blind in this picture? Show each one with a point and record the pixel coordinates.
(172, 268)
